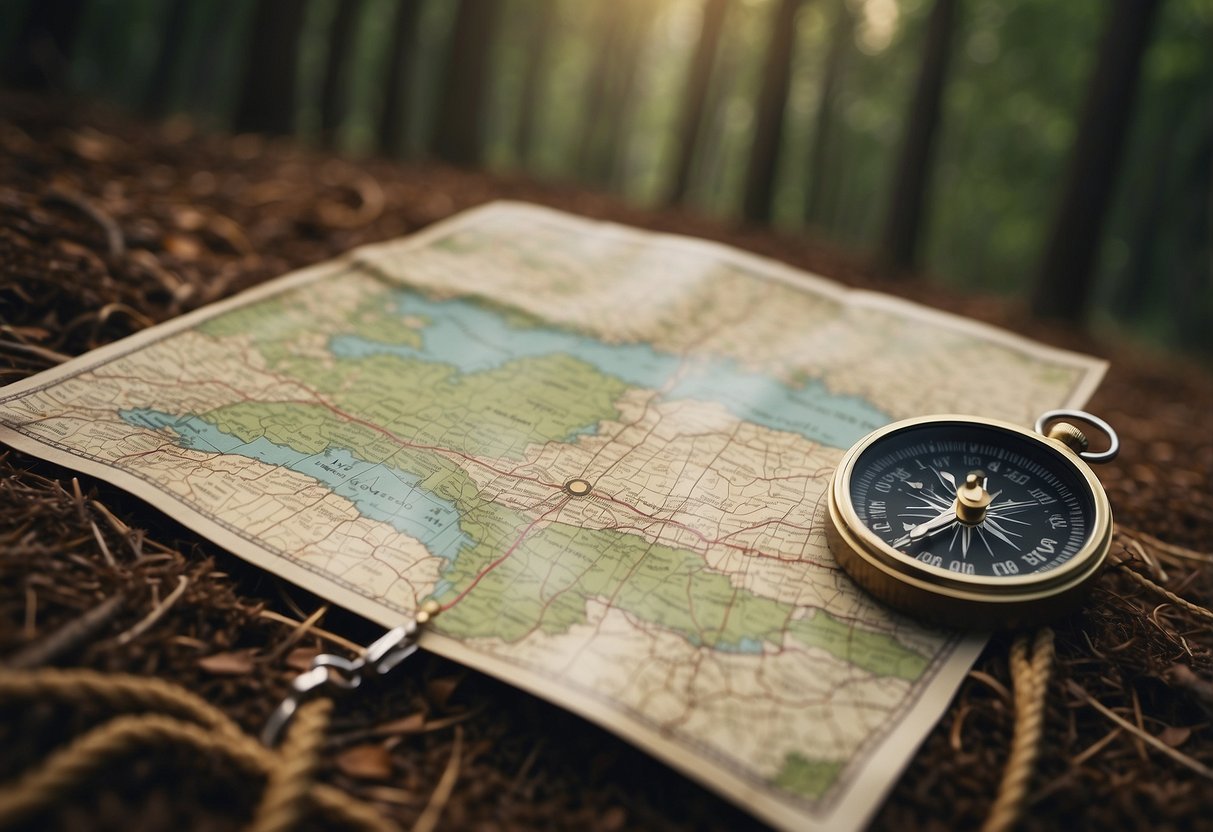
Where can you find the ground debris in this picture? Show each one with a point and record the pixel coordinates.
(108, 225)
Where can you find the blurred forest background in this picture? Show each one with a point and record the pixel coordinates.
(1057, 151)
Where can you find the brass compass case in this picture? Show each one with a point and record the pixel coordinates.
(972, 600)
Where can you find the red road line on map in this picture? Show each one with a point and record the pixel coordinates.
(774, 521)
(503, 558)
(318, 399)
(720, 541)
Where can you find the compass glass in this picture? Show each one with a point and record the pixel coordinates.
(1028, 508)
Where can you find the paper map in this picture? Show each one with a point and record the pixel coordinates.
(605, 452)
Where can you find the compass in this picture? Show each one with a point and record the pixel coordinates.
(974, 522)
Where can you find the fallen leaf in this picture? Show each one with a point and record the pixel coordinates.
(1174, 735)
(440, 690)
(368, 762)
(189, 219)
(301, 658)
(613, 819)
(411, 724)
(94, 146)
(234, 663)
(183, 246)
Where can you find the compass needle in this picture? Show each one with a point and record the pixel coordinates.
(981, 535)
(998, 531)
(1007, 519)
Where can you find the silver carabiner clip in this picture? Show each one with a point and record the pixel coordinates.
(390, 649)
(333, 674)
(303, 687)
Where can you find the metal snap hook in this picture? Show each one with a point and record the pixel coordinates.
(333, 674)
(303, 687)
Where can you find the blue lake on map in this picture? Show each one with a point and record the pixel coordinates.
(475, 338)
(751, 646)
(379, 491)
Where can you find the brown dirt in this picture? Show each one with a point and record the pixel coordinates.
(108, 225)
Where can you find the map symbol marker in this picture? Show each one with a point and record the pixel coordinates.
(577, 488)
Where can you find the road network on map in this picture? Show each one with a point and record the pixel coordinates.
(615, 495)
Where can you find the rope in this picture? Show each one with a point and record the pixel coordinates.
(118, 692)
(290, 780)
(288, 776)
(1031, 678)
(1195, 609)
(66, 769)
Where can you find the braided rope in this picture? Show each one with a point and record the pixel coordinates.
(211, 731)
(290, 780)
(67, 768)
(1184, 603)
(1031, 677)
(118, 692)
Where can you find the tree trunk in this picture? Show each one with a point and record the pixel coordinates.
(222, 23)
(459, 129)
(267, 97)
(823, 127)
(397, 101)
(768, 119)
(1063, 284)
(1154, 187)
(159, 92)
(698, 79)
(621, 106)
(542, 20)
(710, 184)
(904, 222)
(1192, 282)
(334, 93)
(591, 153)
(42, 51)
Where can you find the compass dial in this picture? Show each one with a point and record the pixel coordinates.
(1034, 510)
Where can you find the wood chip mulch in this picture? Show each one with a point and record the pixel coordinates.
(109, 225)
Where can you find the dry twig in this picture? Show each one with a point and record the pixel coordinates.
(1148, 738)
(442, 792)
(157, 612)
(68, 636)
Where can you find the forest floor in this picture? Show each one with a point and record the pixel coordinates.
(109, 225)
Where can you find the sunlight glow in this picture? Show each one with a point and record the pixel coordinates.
(878, 21)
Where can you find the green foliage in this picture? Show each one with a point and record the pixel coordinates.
(1157, 275)
(1010, 113)
(1014, 94)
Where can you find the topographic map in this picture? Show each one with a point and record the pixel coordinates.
(604, 452)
